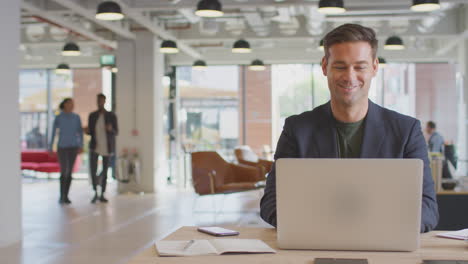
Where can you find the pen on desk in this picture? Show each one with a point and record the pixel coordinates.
(188, 244)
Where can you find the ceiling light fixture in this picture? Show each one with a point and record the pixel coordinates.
(209, 8)
(199, 65)
(241, 46)
(382, 62)
(257, 65)
(321, 45)
(394, 43)
(62, 68)
(71, 49)
(331, 7)
(109, 10)
(425, 5)
(169, 46)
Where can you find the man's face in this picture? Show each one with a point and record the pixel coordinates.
(428, 129)
(101, 101)
(349, 70)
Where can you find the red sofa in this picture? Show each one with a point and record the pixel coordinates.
(41, 160)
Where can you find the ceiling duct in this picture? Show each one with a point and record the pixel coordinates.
(399, 26)
(289, 28)
(315, 24)
(257, 23)
(427, 24)
(236, 26)
(208, 26)
(35, 33)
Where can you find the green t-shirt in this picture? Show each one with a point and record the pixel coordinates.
(349, 138)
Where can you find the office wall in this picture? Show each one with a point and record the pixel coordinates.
(10, 187)
(258, 131)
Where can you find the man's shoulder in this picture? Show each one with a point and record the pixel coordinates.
(391, 117)
(309, 117)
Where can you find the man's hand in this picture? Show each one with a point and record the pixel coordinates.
(80, 150)
(109, 128)
(86, 130)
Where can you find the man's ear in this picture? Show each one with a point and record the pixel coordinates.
(324, 65)
(375, 66)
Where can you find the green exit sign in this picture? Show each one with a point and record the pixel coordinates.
(107, 60)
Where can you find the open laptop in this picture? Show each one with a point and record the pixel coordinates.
(349, 204)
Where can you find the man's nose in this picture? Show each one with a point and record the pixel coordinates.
(349, 75)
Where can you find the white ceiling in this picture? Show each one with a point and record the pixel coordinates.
(279, 31)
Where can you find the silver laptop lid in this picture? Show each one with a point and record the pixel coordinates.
(349, 204)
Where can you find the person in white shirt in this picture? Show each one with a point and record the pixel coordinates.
(102, 126)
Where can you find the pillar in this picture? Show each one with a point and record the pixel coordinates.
(139, 107)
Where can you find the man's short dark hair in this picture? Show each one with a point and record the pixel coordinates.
(101, 95)
(431, 124)
(350, 33)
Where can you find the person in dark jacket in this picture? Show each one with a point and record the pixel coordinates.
(350, 125)
(70, 144)
(102, 126)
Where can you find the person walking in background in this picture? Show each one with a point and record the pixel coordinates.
(102, 126)
(435, 142)
(70, 144)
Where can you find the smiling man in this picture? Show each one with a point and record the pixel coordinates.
(350, 125)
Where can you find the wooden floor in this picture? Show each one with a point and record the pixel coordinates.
(115, 232)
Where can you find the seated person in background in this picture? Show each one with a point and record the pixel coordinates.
(350, 125)
(435, 143)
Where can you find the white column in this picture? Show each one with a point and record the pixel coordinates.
(10, 186)
(139, 103)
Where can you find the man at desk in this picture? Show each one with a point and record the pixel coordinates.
(350, 125)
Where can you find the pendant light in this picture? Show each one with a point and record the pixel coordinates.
(114, 69)
(425, 5)
(394, 43)
(109, 10)
(321, 45)
(209, 8)
(169, 46)
(257, 65)
(382, 62)
(71, 49)
(241, 46)
(199, 65)
(62, 68)
(331, 7)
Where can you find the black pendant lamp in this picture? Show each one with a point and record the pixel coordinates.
(209, 8)
(109, 10)
(321, 45)
(62, 68)
(425, 5)
(169, 46)
(199, 65)
(257, 65)
(241, 46)
(331, 7)
(382, 62)
(71, 49)
(394, 43)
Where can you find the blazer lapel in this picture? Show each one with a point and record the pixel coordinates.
(374, 133)
(326, 135)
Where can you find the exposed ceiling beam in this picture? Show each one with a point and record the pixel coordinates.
(68, 25)
(151, 26)
(80, 10)
(450, 45)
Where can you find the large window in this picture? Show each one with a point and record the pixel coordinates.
(209, 102)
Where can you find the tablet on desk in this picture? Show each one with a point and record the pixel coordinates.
(217, 231)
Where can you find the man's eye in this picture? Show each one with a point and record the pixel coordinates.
(360, 68)
(340, 68)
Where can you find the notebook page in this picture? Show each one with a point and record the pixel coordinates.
(240, 246)
(176, 248)
(460, 234)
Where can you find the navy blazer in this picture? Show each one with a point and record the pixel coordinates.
(387, 134)
(110, 119)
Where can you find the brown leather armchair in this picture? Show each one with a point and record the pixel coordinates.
(211, 174)
(246, 156)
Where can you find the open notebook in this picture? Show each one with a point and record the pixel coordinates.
(211, 247)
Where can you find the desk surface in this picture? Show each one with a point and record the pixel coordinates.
(431, 248)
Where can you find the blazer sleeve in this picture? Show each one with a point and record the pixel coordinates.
(286, 148)
(416, 148)
(115, 124)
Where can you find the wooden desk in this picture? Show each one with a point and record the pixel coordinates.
(431, 248)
